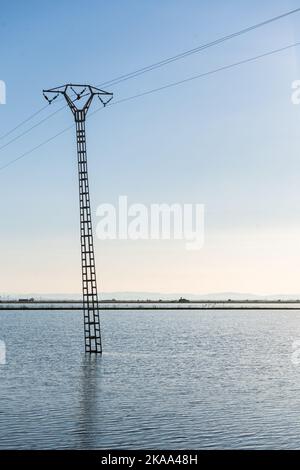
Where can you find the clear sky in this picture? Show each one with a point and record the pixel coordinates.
(230, 141)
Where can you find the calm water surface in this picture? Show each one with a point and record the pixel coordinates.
(175, 379)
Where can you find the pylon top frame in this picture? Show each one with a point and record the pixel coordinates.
(78, 91)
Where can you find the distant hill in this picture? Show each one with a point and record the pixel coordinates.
(153, 296)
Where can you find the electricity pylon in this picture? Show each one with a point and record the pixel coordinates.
(73, 94)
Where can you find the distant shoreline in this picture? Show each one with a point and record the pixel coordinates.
(182, 304)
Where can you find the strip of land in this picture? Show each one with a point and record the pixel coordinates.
(181, 304)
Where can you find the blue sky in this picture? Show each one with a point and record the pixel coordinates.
(229, 141)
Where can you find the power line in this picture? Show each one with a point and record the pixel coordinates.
(202, 75)
(23, 155)
(34, 126)
(195, 50)
(23, 122)
(153, 66)
(31, 128)
(155, 90)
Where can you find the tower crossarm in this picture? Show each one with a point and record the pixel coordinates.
(73, 93)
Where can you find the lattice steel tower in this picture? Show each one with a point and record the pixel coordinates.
(72, 94)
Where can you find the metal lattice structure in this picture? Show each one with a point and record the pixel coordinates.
(73, 94)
